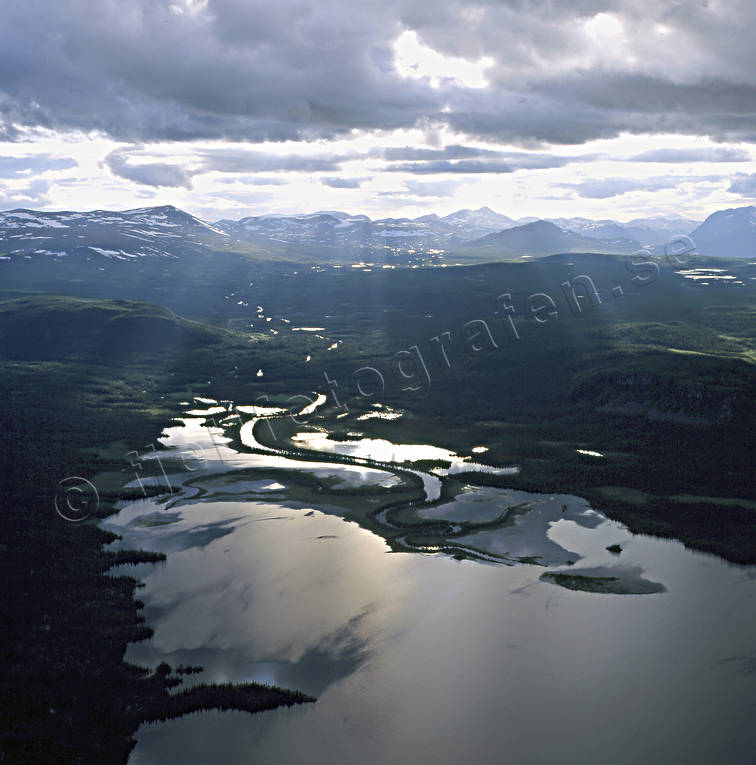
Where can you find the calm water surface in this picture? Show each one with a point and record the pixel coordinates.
(423, 658)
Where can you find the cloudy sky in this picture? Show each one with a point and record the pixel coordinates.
(226, 108)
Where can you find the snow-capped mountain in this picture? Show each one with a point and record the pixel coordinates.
(330, 227)
(334, 235)
(478, 222)
(728, 233)
(144, 232)
(338, 229)
(647, 231)
(310, 227)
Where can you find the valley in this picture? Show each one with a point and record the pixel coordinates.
(517, 419)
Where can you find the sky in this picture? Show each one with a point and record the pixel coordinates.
(226, 108)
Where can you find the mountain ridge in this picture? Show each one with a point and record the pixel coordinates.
(168, 231)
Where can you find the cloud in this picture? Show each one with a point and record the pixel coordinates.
(254, 180)
(34, 164)
(399, 199)
(744, 184)
(343, 183)
(432, 188)
(141, 166)
(713, 154)
(510, 163)
(246, 161)
(603, 188)
(34, 195)
(565, 73)
(148, 173)
(467, 159)
(411, 153)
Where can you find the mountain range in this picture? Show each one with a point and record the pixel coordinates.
(168, 232)
(458, 228)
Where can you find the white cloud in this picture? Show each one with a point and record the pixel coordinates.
(414, 59)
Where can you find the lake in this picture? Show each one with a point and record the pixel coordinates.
(420, 657)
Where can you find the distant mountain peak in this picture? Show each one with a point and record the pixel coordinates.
(160, 231)
(739, 211)
(730, 232)
(157, 209)
(541, 225)
(541, 237)
(483, 220)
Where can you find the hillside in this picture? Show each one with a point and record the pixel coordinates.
(162, 232)
(55, 327)
(544, 238)
(728, 233)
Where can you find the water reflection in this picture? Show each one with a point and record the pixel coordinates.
(420, 657)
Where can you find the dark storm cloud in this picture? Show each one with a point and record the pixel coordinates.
(150, 70)
(253, 70)
(16, 167)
